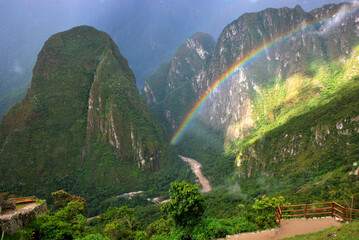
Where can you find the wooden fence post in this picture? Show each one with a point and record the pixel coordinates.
(279, 214)
(305, 211)
(332, 209)
(344, 213)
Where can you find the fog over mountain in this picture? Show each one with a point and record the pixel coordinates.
(146, 31)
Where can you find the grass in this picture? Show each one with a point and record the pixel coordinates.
(22, 205)
(278, 103)
(297, 145)
(345, 232)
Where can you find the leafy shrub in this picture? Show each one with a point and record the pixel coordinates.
(68, 223)
(265, 209)
(211, 228)
(187, 204)
(62, 198)
(96, 236)
(121, 223)
(160, 227)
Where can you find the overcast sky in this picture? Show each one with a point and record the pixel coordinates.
(58, 15)
(158, 24)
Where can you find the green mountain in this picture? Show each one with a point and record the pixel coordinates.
(169, 92)
(311, 147)
(288, 115)
(83, 125)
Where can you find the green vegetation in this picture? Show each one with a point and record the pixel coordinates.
(185, 217)
(265, 209)
(186, 206)
(205, 144)
(62, 198)
(171, 85)
(84, 127)
(306, 138)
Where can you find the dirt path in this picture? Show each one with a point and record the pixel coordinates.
(92, 218)
(289, 228)
(196, 169)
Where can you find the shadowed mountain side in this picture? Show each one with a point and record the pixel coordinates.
(82, 124)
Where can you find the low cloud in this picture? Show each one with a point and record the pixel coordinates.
(17, 68)
(338, 18)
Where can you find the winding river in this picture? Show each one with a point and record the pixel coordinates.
(196, 169)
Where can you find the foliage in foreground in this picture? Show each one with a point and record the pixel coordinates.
(186, 216)
(67, 223)
(186, 206)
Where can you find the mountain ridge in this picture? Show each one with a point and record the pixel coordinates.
(82, 124)
(223, 111)
(310, 68)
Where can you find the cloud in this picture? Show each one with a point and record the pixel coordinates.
(338, 18)
(16, 68)
(253, 1)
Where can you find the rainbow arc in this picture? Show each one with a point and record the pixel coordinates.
(241, 63)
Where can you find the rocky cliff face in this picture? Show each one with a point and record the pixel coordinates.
(334, 35)
(82, 121)
(301, 39)
(289, 114)
(173, 88)
(17, 219)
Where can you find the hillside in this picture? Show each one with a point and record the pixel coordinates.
(312, 146)
(169, 92)
(278, 111)
(83, 125)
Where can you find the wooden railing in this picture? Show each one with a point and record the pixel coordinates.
(23, 199)
(317, 209)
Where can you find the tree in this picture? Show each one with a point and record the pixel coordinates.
(67, 223)
(121, 223)
(265, 210)
(186, 206)
(62, 198)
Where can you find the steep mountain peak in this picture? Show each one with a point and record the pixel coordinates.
(193, 54)
(202, 44)
(161, 88)
(299, 8)
(82, 113)
(289, 51)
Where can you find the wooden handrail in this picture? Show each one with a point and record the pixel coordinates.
(346, 213)
(338, 204)
(23, 199)
(309, 204)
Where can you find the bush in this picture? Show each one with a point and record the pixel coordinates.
(121, 223)
(211, 228)
(160, 227)
(265, 209)
(186, 206)
(94, 237)
(68, 223)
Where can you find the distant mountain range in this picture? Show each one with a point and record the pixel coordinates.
(147, 31)
(287, 117)
(287, 110)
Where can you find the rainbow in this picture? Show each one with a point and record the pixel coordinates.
(233, 69)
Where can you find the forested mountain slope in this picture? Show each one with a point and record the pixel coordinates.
(282, 103)
(82, 124)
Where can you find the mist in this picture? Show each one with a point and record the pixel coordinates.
(146, 31)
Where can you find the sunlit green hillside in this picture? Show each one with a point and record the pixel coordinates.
(306, 134)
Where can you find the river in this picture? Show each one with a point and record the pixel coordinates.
(196, 169)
